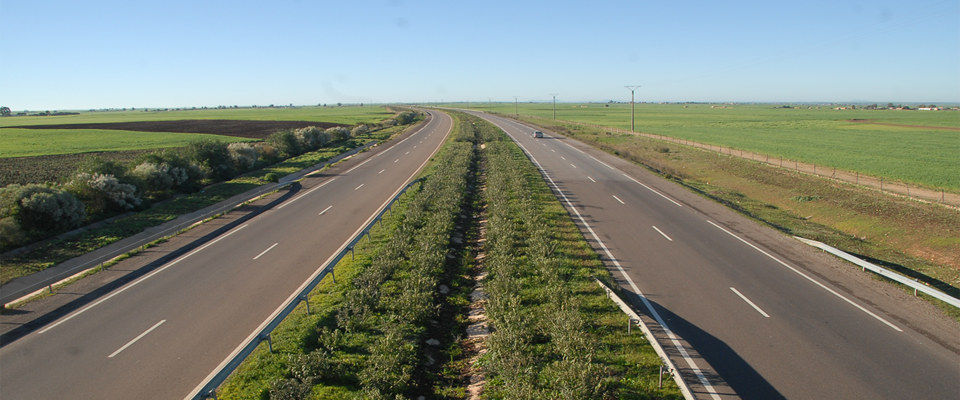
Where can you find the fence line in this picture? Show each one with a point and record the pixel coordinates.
(886, 186)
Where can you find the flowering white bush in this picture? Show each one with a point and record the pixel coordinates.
(359, 130)
(338, 133)
(104, 192)
(243, 154)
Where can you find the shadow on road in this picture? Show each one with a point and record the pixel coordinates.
(42, 320)
(727, 365)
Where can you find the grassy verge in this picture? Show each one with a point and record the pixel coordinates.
(391, 325)
(60, 250)
(916, 239)
(918, 153)
(383, 330)
(556, 333)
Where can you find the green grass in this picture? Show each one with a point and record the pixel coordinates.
(916, 239)
(16, 142)
(821, 136)
(342, 115)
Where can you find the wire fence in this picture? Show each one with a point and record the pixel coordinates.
(878, 183)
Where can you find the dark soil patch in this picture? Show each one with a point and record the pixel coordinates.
(225, 127)
(867, 121)
(55, 168)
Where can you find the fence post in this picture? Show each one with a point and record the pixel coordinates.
(881, 183)
(306, 299)
(858, 177)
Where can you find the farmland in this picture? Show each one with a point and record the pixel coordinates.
(339, 115)
(827, 137)
(41, 142)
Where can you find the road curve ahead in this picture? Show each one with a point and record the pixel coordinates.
(159, 336)
(742, 310)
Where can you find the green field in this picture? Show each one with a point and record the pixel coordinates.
(40, 142)
(822, 136)
(343, 115)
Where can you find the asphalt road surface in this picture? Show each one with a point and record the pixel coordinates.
(159, 336)
(742, 310)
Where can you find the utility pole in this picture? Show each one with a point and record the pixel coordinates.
(554, 104)
(515, 109)
(633, 106)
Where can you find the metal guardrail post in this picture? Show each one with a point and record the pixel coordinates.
(219, 375)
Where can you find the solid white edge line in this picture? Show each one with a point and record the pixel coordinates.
(265, 251)
(240, 347)
(673, 338)
(651, 189)
(121, 290)
(308, 192)
(601, 162)
(568, 145)
(136, 339)
(661, 232)
(749, 302)
(618, 199)
(808, 278)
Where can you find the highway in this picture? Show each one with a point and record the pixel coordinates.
(160, 336)
(742, 310)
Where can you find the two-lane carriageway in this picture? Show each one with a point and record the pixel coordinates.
(160, 336)
(738, 308)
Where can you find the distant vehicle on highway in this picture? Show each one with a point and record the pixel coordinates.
(537, 134)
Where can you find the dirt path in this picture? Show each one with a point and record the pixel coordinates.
(867, 121)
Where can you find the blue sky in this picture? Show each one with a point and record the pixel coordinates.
(100, 54)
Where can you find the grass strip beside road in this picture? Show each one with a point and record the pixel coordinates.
(918, 153)
(59, 250)
(919, 240)
(382, 331)
(557, 334)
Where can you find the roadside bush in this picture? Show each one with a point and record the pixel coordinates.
(311, 138)
(359, 130)
(338, 133)
(10, 233)
(406, 117)
(266, 152)
(40, 208)
(213, 158)
(154, 178)
(286, 143)
(98, 165)
(271, 177)
(243, 154)
(103, 193)
(183, 176)
(389, 122)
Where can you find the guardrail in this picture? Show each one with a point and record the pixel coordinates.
(635, 318)
(207, 389)
(11, 293)
(917, 286)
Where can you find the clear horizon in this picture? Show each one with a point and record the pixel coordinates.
(60, 55)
